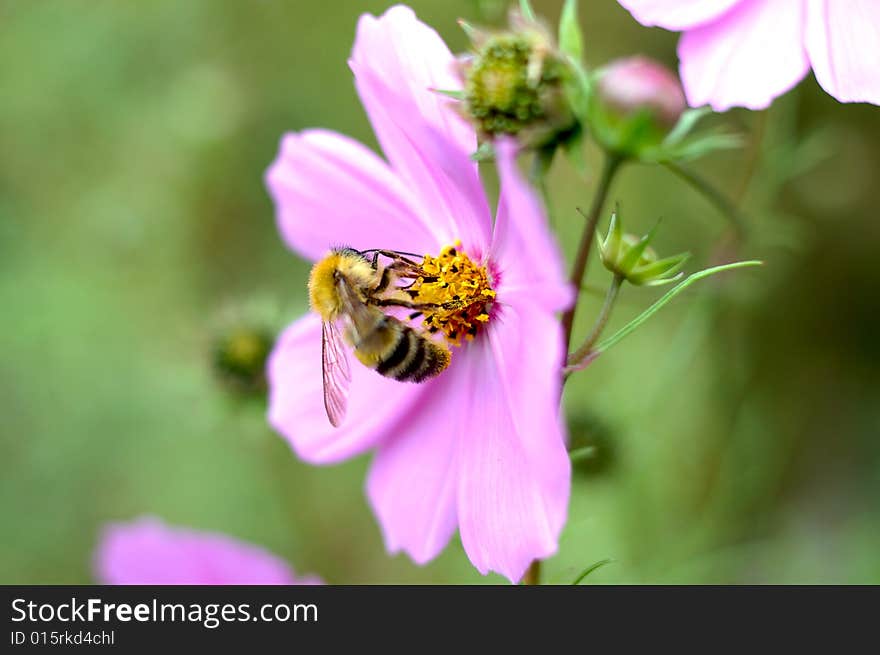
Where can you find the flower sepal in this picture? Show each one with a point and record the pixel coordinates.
(631, 257)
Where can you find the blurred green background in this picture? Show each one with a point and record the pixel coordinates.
(735, 436)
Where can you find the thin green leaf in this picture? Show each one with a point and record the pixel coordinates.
(470, 31)
(579, 90)
(605, 344)
(451, 93)
(590, 569)
(685, 124)
(571, 39)
(485, 152)
(585, 452)
(525, 8)
(699, 146)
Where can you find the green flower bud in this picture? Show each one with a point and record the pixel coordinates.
(631, 258)
(516, 84)
(239, 356)
(636, 104)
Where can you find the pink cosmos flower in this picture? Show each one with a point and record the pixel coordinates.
(748, 52)
(147, 551)
(480, 447)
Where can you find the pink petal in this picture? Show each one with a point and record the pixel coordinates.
(676, 14)
(523, 250)
(296, 399)
(396, 61)
(746, 58)
(328, 189)
(404, 54)
(412, 483)
(514, 472)
(146, 551)
(843, 41)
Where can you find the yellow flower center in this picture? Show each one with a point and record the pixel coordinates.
(460, 290)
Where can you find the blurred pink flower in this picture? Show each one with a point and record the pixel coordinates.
(747, 52)
(146, 551)
(480, 447)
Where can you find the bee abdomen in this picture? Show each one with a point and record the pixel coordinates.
(413, 358)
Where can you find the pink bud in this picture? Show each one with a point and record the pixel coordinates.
(635, 83)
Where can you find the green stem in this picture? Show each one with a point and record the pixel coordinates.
(609, 169)
(713, 195)
(577, 359)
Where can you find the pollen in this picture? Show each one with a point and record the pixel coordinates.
(459, 294)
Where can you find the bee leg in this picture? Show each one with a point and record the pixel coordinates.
(395, 302)
(414, 315)
(384, 281)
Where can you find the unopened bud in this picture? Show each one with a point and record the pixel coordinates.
(516, 84)
(637, 84)
(631, 258)
(637, 103)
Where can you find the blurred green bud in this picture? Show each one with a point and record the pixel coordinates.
(518, 83)
(631, 258)
(636, 104)
(239, 357)
(592, 445)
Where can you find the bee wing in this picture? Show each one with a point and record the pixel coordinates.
(336, 372)
(360, 317)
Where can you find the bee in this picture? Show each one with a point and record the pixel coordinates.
(348, 289)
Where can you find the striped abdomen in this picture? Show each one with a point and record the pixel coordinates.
(410, 356)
